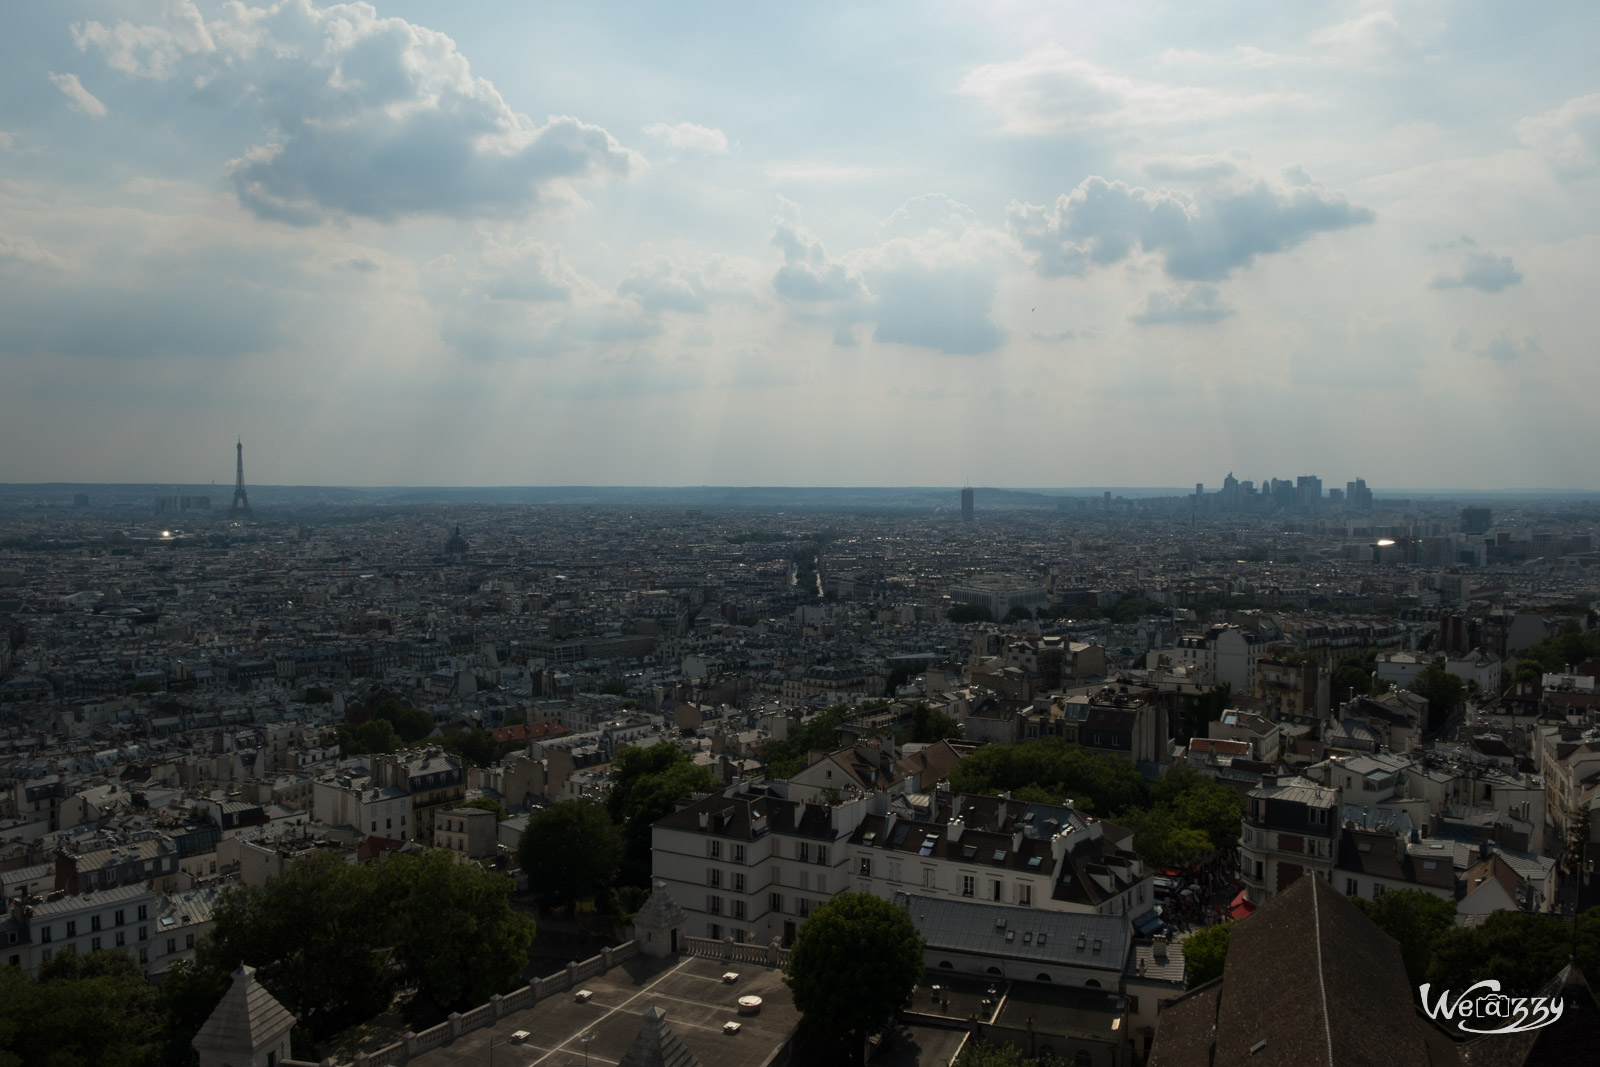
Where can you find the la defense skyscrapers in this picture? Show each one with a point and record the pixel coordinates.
(1303, 494)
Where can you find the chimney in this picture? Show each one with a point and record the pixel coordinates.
(955, 806)
(953, 828)
(705, 819)
(1160, 946)
(1016, 840)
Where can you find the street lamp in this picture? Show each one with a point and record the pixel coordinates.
(586, 1038)
(493, 1044)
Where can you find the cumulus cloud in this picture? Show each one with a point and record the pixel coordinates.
(1567, 137)
(1195, 305)
(689, 137)
(20, 248)
(79, 99)
(931, 284)
(808, 272)
(368, 116)
(1202, 237)
(1372, 31)
(1501, 347)
(661, 285)
(1050, 91)
(1483, 271)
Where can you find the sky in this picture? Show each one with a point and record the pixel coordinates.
(931, 243)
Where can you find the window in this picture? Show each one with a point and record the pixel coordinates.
(1351, 888)
(802, 851)
(775, 903)
(738, 936)
(144, 954)
(803, 906)
(714, 849)
(172, 945)
(969, 885)
(16, 961)
(94, 945)
(999, 888)
(1319, 816)
(927, 877)
(822, 853)
(388, 824)
(144, 912)
(120, 919)
(714, 931)
(894, 870)
(738, 909)
(49, 952)
(738, 853)
(805, 879)
(1025, 894)
(1377, 890)
(713, 904)
(144, 933)
(374, 825)
(738, 882)
(94, 922)
(866, 867)
(122, 938)
(44, 935)
(713, 877)
(188, 941)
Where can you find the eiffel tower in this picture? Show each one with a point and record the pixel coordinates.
(241, 502)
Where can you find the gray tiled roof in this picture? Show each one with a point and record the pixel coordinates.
(1066, 938)
(247, 1016)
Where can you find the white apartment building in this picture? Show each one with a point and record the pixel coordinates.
(360, 802)
(751, 864)
(1291, 828)
(1223, 654)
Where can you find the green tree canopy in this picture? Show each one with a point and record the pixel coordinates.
(489, 804)
(1415, 919)
(1102, 784)
(1200, 802)
(929, 724)
(979, 1053)
(368, 738)
(787, 757)
(646, 784)
(81, 1011)
(855, 963)
(1523, 950)
(477, 747)
(410, 724)
(967, 613)
(1161, 839)
(571, 851)
(1205, 953)
(1443, 691)
(452, 928)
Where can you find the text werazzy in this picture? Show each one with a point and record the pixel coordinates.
(1484, 1002)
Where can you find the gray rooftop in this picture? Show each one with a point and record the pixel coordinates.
(1066, 938)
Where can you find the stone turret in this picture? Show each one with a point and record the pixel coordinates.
(659, 927)
(249, 1028)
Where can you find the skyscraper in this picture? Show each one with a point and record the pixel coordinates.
(966, 504)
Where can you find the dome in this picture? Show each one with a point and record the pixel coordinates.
(456, 545)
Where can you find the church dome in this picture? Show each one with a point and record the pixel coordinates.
(456, 545)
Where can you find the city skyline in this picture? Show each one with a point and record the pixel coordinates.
(988, 244)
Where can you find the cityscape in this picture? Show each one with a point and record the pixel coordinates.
(899, 535)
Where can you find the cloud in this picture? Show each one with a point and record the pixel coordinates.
(1193, 168)
(931, 284)
(1194, 305)
(808, 273)
(661, 285)
(1483, 271)
(1567, 137)
(79, 99)
(370, 117)
(689, 137)
(1202, 237)
(1370, 32)
(20, 248)
(1501, 347)
(1050, 91)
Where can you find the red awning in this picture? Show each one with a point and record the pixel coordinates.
(1240, 907)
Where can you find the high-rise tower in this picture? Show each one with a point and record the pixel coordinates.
(966, 505)
(241, 502)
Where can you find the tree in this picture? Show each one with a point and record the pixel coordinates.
(82, 1010)
(1018, 613)
(1415, 919)
(1443, 691)
(365, 738)
(1205, 953)
(1523, 950)
(1161, 840)
(1350, 681)
(312, 933)
(979, 1053)
(854, 964)
(647, 783)
(477, 747)
(452, 928)
(930, 724)
(411, 724)
(967, 613)
(570, 851)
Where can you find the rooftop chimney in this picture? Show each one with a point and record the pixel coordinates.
(953, 828)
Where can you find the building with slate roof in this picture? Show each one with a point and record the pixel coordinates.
(657, 1045)
(249, 1028)
(1308, 980)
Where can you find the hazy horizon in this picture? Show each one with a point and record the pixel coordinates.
(480, 244)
